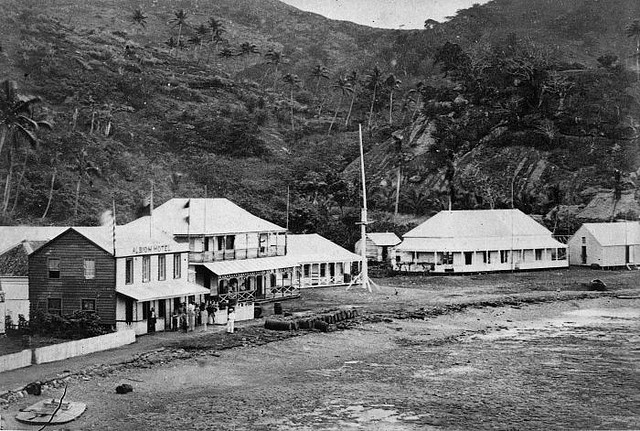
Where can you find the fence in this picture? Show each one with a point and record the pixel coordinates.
(70, 349)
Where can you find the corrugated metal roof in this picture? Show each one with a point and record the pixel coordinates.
(217, 216)
(153, 291)
(384, 238)
(619, 233)
(478, 244)
(478, 224)
(261, 264)
(478, 230)
(315, 248)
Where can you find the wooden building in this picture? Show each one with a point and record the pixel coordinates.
(320, 261)
(379, 246)
(233, 253)
(83, 268)
(606, 245)
(479, 241)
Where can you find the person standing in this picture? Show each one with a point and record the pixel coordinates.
(231, 319)
(191, 316)
(211, 310)
(152, 320)
(204, 315)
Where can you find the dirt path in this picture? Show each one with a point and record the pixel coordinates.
(559, 365)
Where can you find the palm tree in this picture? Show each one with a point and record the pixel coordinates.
(342, 85)
(293, 81)
(373, 80)
(179, 20)
(319, 72)
(139, 18)
(201, 32)
(276, 58)
(352, 79)
(247, 48)
(16, 126)
(196, 41)
(392, 84)
(633, 31)
(217, 28)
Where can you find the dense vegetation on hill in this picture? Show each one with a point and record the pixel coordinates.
(255, 100)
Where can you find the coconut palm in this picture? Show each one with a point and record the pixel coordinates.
(247, 48)
(139, 18)
(196, 41)
(179, 20)
(352, 79)
(172, 44)
(342, 85)
(85, 169)
(392, 84)
(373, 81)
(293, 81)
(201, 32)
(217, 28)
(319, 72)
(275, 58)
(17, 126)
(633, 31)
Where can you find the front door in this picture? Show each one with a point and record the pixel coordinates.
(627, 254)
(584, 255)
(260, 286)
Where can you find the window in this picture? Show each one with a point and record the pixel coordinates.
(54, 306)
(504, 256)
(323, 270)
(128, 270)
(468, 257)
(177, 266)
(584, 240)
(447, 258)
(89, 305)
(554, 254)
(332, 269)
(146, 269)
(162, 267)
(53, 264)
(307, 270)
(230, 242)
(220, 241)
(162, 308)
(89, 269)
(562, 254)
(538, 254)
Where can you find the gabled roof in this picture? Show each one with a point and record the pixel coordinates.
(311, 248)
(470, 230)
(10, 236)
(216, 216)
(619, 233)
(129, 240)
(384, 238)
(478, 224)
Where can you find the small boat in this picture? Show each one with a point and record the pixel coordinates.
(51, 411)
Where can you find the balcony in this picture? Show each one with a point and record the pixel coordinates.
(235, 254)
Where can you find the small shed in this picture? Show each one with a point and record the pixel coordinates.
(606, 244)
(379, 245)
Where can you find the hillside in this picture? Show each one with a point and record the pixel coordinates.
(241, 114)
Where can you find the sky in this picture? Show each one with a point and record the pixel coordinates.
(404, 14)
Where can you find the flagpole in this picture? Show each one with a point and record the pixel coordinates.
(151, 211)
(114, 227)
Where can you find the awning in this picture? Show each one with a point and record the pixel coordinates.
(150, 292)
(247, 266)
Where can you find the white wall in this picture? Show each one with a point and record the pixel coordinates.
(85, 346)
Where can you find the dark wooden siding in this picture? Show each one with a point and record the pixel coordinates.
(72, 248)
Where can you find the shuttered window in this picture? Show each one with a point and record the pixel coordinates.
(146, 269)
(162, 267)
(177, 266)
(129, 270)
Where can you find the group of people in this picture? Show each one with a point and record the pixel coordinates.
(190, 315)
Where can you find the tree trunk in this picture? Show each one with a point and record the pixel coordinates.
(353, 99)
(53, 180)
(335, 115)
(391, 107)
(373, 101)
(19, 183)
(292, 123)
(75, 209)
(3, 137)
(395, 211)
(7, 189)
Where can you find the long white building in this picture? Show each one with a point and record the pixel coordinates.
(479, 241)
